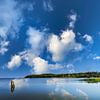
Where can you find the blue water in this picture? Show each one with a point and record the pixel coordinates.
(49, 89)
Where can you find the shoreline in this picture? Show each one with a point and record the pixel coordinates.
(68, 75)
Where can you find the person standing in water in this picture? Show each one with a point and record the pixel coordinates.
(12, 86)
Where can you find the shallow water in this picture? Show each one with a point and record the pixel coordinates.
(48, 89)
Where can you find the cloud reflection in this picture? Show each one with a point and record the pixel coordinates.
(59, 92)
(82, 94)
(18, 83)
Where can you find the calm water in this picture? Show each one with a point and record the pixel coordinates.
(48, 89)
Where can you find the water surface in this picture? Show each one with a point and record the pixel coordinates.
(48, 89)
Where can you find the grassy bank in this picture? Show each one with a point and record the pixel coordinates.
(92, 80)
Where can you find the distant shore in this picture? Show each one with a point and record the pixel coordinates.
(68, 75)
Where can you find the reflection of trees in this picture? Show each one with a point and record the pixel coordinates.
(12, 86)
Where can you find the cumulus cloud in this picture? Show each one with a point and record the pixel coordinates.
(15, 62)
(31, 56)
(37, 64)
(60, 46)
(88, 38)
(26, 56)
(40, 65)
(47, 5)
(35, 40)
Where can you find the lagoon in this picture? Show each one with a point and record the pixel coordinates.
(49, 89)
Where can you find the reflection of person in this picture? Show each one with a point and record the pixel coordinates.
(12, 86)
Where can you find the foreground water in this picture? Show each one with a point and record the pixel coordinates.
(48, 89)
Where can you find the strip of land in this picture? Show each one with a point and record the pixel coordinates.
(71, 75)
(92, 80)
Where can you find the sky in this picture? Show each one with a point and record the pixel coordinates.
(49, 36)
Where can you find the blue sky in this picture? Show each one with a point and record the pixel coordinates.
(49, 36)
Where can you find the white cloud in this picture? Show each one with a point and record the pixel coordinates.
(88, 38)
(60, 46)
(73, 18)
(15, 62)
(40, 65)
(10, 16)
(36, 40)
(37, 64)
(47, 5)
(3, 46)
(28, 56)
(96, 58)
